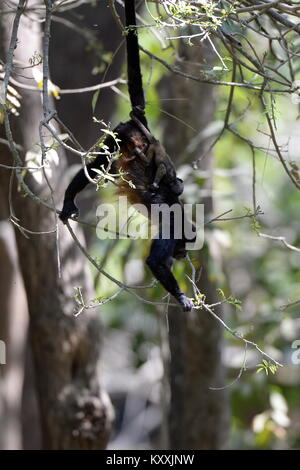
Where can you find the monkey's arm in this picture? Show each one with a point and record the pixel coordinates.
(165, 167)
(160, 261)
(161, 171)
(78, 183)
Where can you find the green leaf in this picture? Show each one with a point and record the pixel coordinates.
(95, 99)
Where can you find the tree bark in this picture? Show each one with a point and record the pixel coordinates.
(75, 411)
(13, 331)
(198, 415)
(72, 66)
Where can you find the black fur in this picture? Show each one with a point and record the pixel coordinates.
(134, 76)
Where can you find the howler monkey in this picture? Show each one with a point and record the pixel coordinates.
(148, 167)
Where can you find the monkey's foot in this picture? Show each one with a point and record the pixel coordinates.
(185, 302)
(177, 186)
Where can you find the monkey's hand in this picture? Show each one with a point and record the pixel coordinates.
(185, 303)
(69, 210)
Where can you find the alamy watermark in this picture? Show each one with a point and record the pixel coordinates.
(295, 357)
(2, 353)
(176, 221)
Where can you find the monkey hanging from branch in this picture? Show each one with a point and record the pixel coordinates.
(152, 175)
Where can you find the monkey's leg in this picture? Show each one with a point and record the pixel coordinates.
(160, 261)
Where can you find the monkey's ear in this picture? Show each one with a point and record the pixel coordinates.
(69, 210)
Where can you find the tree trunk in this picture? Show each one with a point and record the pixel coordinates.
(198, 415)
(75, 411)
(13, 331)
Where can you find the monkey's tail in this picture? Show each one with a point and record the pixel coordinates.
(135, 83)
